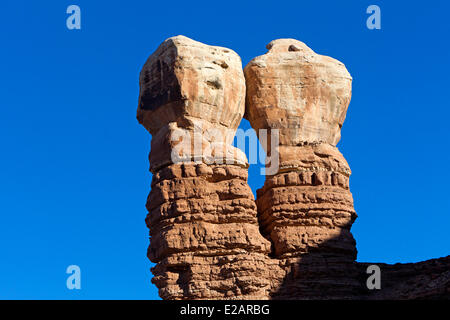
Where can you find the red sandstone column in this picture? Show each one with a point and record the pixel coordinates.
(204, 233)
(305, 207)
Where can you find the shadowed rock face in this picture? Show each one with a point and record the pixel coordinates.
(209, 238)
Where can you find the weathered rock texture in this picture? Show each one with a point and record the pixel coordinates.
(209, 238)
(204, 234)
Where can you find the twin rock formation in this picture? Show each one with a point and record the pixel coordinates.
(210, 239)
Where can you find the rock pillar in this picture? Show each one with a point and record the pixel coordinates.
(204, 233)
(305, 208)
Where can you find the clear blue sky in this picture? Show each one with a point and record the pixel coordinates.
(74, 168)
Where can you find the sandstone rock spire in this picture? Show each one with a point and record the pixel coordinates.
(202, 215)
(306, 208)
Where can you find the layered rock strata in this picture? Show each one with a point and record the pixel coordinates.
(204, 234)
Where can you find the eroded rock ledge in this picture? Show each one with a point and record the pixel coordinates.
(209, 238)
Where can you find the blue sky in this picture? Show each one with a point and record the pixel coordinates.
(74, 168)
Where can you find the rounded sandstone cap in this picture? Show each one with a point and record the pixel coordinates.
(186, 79)
(303, 94)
